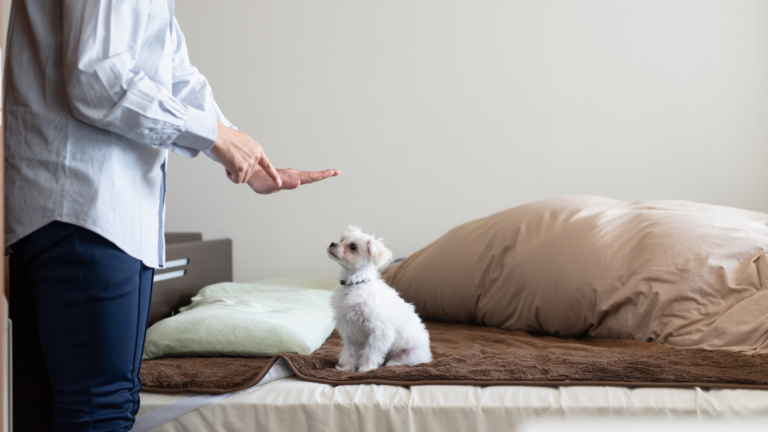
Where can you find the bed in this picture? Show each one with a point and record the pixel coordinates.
(289, 403)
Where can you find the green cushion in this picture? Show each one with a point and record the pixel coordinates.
(258, 319)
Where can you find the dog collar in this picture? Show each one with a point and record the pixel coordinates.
(343, 282)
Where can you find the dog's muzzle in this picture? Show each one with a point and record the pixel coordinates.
(331, 249)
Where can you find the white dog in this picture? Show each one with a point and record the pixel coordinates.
(376, 325)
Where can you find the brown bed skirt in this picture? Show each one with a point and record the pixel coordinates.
(474, 355)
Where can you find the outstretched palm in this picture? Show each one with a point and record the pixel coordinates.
(262, 184)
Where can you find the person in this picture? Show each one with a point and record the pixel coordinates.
(97, 93)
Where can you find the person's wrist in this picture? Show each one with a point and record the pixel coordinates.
(218, 143)
(199, 132)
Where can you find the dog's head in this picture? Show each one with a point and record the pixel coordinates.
(356, 249)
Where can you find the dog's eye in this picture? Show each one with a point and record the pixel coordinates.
(353, 247)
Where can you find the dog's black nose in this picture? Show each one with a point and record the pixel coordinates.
(333, 244)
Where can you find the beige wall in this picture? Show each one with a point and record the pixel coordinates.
(439, 112)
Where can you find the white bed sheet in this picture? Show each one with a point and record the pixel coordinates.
(291, 404)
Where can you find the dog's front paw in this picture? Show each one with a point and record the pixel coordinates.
(367, 367)
(341, 366)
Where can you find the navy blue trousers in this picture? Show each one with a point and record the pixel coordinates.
(79, 307)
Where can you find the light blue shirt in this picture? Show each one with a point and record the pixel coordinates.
(97, 92)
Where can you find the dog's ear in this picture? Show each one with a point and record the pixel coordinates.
(353, 228)
(380, 254)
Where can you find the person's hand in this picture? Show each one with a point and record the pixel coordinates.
(242, 156)
(261, 183)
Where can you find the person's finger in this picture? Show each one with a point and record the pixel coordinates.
(270, 170)
(292, 184)
(230, 176)
(252, 169)
(240, 172)
(311, 176)
(314, 176)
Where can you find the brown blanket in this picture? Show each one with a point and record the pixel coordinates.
(473, 355)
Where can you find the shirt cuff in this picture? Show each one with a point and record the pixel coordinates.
(200, 130)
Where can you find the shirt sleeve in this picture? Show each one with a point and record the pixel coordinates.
(102, 39)
(189, 85)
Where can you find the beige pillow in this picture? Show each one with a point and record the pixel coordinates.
(680, 273)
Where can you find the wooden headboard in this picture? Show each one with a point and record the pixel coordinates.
(190, 264)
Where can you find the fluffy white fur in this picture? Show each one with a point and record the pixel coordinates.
(376, 325)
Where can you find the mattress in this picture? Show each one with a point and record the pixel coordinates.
(296, 405)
